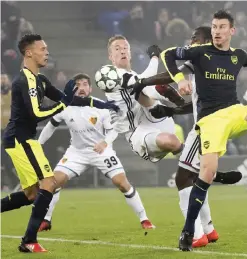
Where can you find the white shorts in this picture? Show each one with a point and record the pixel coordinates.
(75, 162)
(143, 139)
(190, 158)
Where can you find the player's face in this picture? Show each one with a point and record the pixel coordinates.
(38, 52)
(84, 89)
(222, 32)
(119, 54)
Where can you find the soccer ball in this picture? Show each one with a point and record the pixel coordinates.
(108, 79)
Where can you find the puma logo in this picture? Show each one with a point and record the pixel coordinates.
(199, 200)
(208, 56)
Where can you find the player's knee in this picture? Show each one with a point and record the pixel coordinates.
(166, 141)
(209, 165)
(31, 192)
(184, 178)
(60, 178)
(48, 184)
(121, 182)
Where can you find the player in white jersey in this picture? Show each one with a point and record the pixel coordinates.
(91, 145)
(189, 161)
(150, 138)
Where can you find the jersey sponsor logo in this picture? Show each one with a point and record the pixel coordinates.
(47, 168)
(206, 144)
(32, 92)
(234, 60)
(93, 120)
(221, 74)
(208, 56)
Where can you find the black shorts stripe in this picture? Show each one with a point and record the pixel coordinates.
(33, 161)
(193, 150)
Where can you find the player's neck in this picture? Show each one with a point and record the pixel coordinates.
(224, 47)
(31, 66)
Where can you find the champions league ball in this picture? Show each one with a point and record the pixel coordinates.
(108, 79)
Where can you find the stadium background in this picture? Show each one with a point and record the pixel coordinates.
(77, 34)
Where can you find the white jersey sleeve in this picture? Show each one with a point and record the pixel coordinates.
(50, 127)
(60, 116)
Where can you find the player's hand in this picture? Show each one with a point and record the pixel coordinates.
(69, 92)
(125, 79)
(137, 88)
(184, 87)
(161, 111)
(100, 147)
(154, 51)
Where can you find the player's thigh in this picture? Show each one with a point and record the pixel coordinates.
(108, 163)
(214, 132)
(217, 128)
(73, 163)
(30, 162)
(238, 115)
(190, 158)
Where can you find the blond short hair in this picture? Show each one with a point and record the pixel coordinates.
(114, 38)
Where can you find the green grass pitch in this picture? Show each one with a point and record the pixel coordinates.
(102, 217)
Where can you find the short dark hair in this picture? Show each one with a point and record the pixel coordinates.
(223, 14)
(114, 38)
(27, 40)
(81, 76)
(205, 31)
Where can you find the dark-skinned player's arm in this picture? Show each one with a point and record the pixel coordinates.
(161, 82)
(161, 111)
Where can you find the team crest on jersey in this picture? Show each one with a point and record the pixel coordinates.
(234, 59)
(64, 160)
(47, 168)
(93, 120)
(206, 144)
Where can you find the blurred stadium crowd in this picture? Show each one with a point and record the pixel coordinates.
(166, 23)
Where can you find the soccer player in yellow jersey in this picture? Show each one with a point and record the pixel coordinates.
(220, 115)
(33, 169)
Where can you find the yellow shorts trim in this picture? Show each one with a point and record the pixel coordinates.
(216, 128)
(30, 162)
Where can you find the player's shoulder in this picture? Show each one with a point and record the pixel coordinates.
(200, 46)
(43, 78)
(19, 80)
(238, 51)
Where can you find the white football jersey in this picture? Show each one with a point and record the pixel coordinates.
(126, 120)
(87, 125)
(194, 95)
